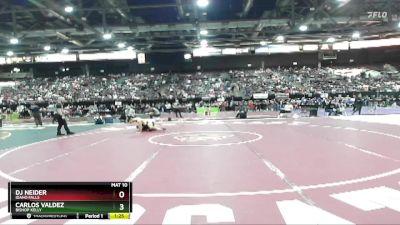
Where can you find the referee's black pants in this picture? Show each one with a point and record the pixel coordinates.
(178, 111)
(62, 122)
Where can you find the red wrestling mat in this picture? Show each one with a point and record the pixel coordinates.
(307, 171)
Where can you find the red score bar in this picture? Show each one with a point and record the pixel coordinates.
(69, 191)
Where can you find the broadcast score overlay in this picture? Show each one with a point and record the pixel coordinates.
(70, 200)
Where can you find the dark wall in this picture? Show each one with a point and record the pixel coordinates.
(366, 56)
(57, 69)
(108, 67)
(359, 57)
(175, 62)
(389, 55)
(256, 61)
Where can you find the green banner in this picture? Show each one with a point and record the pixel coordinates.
(203, 110)
(14, 117)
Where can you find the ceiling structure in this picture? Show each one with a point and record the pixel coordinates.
(175, 25)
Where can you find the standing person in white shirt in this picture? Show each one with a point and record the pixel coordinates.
(168, 107)
(177, 109)
(59, 116)
(287, 108)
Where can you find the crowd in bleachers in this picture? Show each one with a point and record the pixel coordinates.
(121, 87)
(216, 84)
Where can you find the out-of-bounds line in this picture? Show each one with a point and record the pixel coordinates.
(6, 136)
(11, 178)
(366, 131)
(266, 192)
(9, 150)
(18, 222)
(355, 129)
(3, 195)
(284, 178)
(381, 119)
(8, 177)
(371, 153)
(141, 168)
(98, 142)
(4, 212)
(380, 133)
(21, 128)
(360, 149)
(354, 181)
(56, 157)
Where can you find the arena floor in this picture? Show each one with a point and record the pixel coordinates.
(254, 171)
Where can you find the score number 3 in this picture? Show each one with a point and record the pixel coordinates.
(121, 194)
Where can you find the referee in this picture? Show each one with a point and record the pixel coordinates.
(59, 116)
(36, 115)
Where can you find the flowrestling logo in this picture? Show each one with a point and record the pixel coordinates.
(377, 14)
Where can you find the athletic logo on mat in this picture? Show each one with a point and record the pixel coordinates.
(202, 137)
